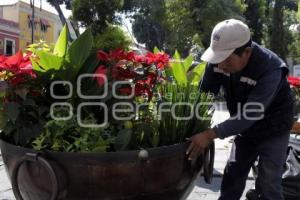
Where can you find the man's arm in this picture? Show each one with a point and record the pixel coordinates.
(263, 93)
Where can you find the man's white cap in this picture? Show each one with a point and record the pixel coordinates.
(225, 38)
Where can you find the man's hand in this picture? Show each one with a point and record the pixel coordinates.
(199, 142)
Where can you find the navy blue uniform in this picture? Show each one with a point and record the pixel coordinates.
(261, 107)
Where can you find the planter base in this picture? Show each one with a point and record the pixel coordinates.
(164, 174)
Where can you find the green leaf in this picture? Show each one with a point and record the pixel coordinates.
(48, 61)
(60, 48)
(156, 50)
(178, 70)
(13, 111)
(188, 62)
(80, 50)
(197, 74)
(123, 139)
(100, 146)
(36, 67)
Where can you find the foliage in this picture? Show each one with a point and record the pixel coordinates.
(207, 14)
(255, 16)
(95, 13)
(113, 38)
(148, 25)
(173, 24)
(41, 111)
(27, 80)
(68, 136)
(294, 48)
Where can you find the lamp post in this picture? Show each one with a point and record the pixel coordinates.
(32, 21)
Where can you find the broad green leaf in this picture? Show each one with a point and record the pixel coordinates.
(188, 62)
(100, 146)
(49, 61)
(123, 139)
(9, 128)
(60, 48)
(80, 50)
(178, 70)
(12, 111)
(197, 73)
(156, 50)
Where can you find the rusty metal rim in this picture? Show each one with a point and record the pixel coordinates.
(33, 157)
(97, 158)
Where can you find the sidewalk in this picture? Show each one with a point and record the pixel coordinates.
(202, 191)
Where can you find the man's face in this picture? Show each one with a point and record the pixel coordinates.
(235, 63)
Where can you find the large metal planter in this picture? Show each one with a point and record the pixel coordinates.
(156, 174)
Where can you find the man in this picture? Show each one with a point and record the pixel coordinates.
(260, 103)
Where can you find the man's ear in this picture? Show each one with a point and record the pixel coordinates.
(248, 51)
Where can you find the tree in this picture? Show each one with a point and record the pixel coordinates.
(178, 24)
(280, 35)
(56, 4)
(255, 16)
(148, 25)
(96, 13)
(277, 41)
(207, 13)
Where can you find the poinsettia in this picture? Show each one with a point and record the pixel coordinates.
(142, 70)
(294, 81)
(36, 87)
(17, 68)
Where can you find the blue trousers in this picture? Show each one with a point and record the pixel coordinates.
(272, 156)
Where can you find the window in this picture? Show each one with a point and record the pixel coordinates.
(30, 22)
(44, 25)
(9, 47)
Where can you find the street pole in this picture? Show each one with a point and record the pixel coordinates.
(32, 21)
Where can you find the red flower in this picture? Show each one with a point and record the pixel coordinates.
(294, 81)
(125, 90)
(140, 58)
(117, 54)
(16, 80)
(101, 70)
(120, 73)
(101, 55)
(161, 60)
(20, 66)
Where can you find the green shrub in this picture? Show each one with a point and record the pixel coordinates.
(112, 38)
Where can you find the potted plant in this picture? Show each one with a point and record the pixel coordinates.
(80, 123)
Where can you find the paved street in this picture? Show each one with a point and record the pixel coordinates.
(202, 191)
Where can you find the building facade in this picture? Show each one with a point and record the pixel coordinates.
(9, 37)
(47, 25)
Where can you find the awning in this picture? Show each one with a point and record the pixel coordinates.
(45, 22)
(35, 19)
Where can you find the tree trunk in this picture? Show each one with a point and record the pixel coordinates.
(62, 17)
(277, 41)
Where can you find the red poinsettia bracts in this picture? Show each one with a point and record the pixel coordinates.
(101, 70)
(294, 81)
(144, 71)
(19, 66)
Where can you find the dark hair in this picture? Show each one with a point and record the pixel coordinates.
(239, 51)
